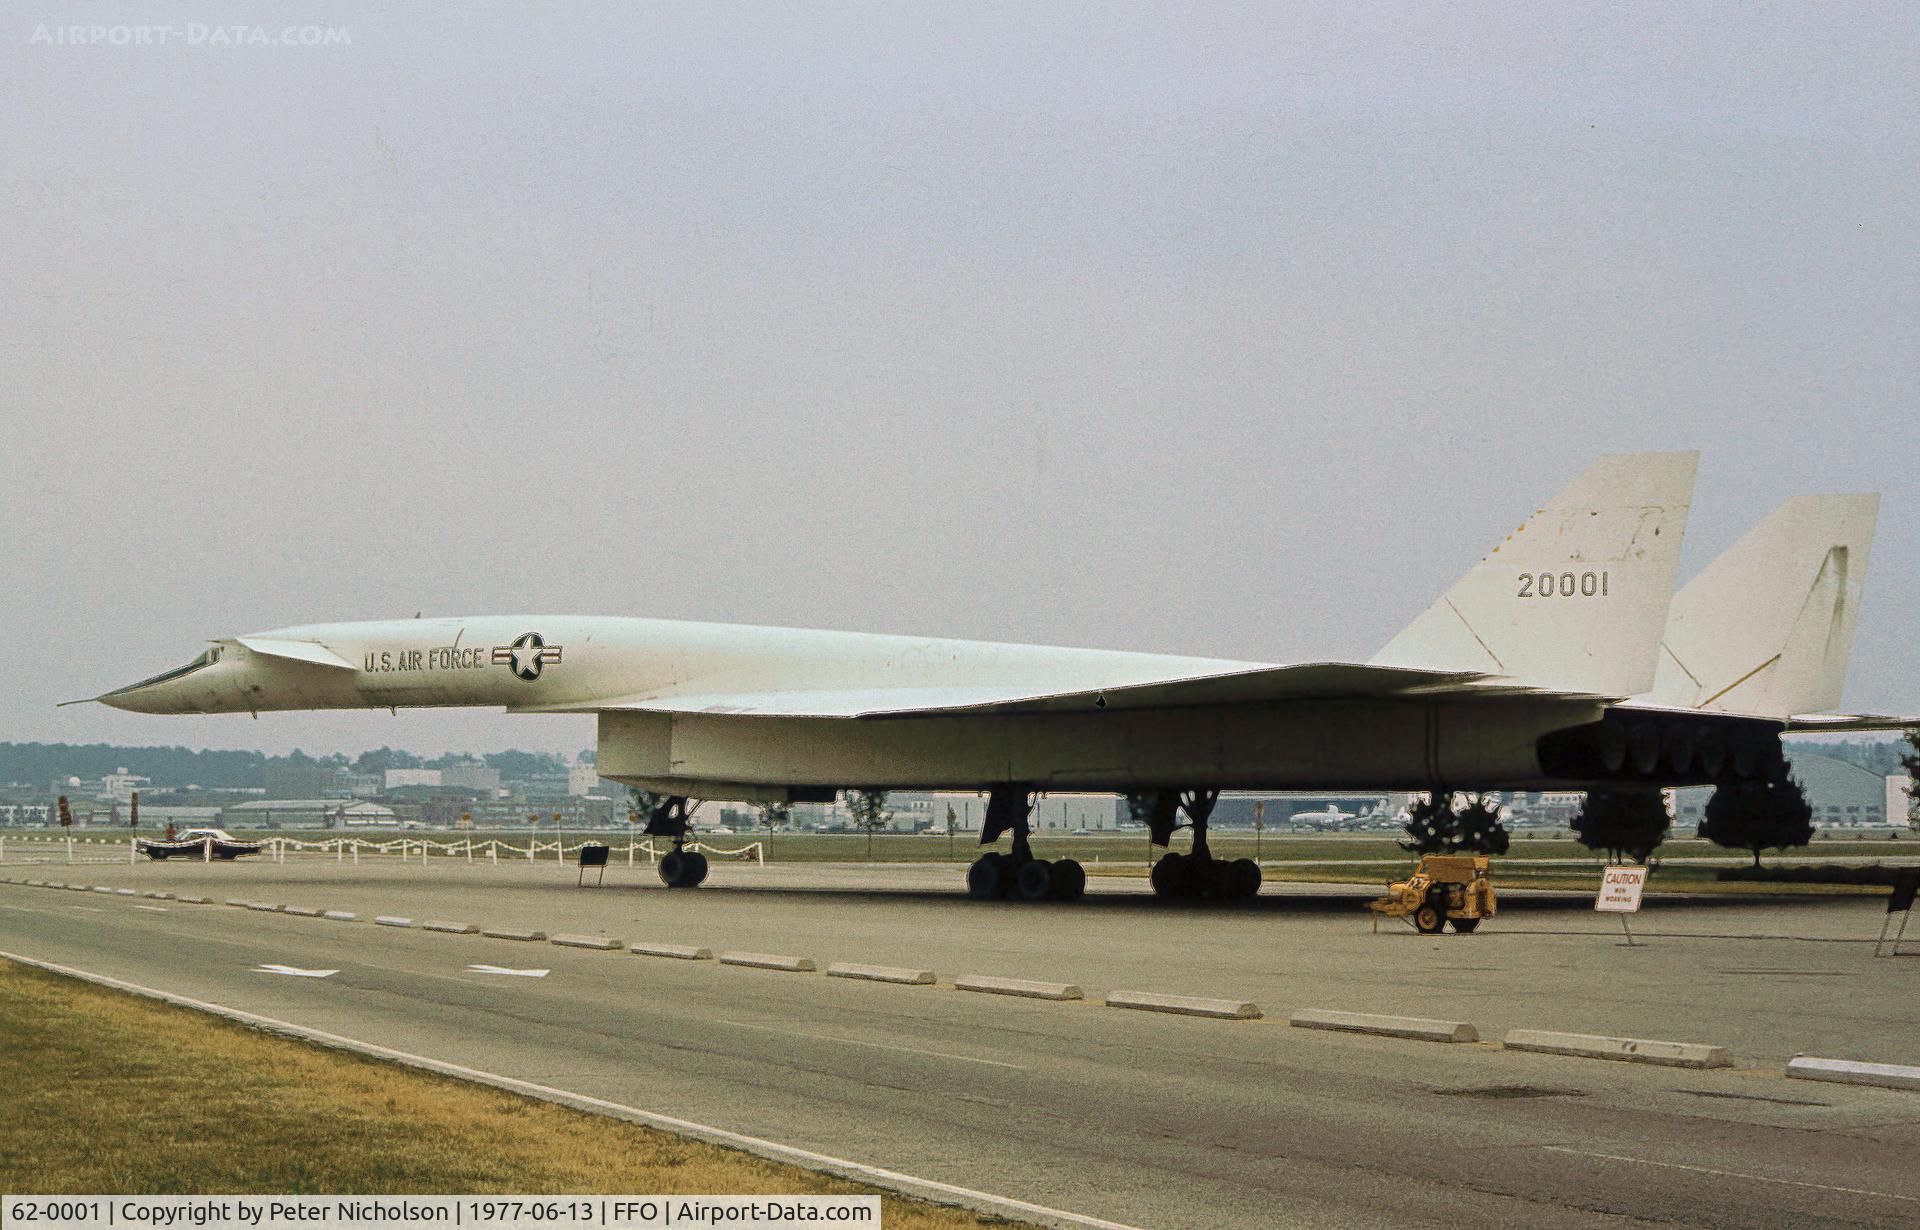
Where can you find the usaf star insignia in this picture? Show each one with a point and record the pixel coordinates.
(527, 655)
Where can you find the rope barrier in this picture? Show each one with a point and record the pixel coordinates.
(277, 848)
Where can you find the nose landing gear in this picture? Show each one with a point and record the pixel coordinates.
(679, 867)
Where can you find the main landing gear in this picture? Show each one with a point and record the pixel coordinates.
(679, 867)
(1196, 873)
(1019, 875)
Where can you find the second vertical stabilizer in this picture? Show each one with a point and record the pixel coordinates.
(1766, 629)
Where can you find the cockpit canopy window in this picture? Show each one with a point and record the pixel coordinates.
(204, 660)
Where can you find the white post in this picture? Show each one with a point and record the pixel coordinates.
(133, 847)
(530, 845)
(469, 849)
(559, 849)
(339, 849)
(629, 849)
(356, 852)
(69, 847)
(206, 849)
(493, 853)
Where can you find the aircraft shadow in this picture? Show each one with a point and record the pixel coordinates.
(1136, 903)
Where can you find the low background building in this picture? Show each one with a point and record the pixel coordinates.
(305, 814)
(1841, 793)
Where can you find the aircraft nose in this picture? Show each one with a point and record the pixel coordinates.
(181, 690)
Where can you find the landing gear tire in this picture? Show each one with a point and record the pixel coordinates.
(984, 877)
(1033, 880)
(1187, 875)
(1465, 926)
(683, 869)
(1068, 881)
(1428, 920)
(1018, 876)
(1169, 875)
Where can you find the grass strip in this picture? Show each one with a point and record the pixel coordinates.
(110, 1092)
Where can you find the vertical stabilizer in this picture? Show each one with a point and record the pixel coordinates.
(1576, 598)
(1766, 629)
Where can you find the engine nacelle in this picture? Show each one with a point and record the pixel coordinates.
(1664, 749)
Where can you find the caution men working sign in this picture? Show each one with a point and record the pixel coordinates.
(1620, 890)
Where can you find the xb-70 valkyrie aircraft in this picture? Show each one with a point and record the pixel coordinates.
(1561, 661)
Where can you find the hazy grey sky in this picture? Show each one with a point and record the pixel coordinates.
(1224, 330)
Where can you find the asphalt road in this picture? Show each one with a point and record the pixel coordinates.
(1144, 1119)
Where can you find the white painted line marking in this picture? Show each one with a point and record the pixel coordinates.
(893, 1180)
(152, 909)
(501, 969)
(878, 1046)
(91, 909)
(1732, 1174)
(291, 972)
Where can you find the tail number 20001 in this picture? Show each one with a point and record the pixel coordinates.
(1563, 585)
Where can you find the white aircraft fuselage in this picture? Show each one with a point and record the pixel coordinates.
(780, 716)
(1539, 668)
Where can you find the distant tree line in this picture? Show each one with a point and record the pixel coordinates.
(1628, 823)
(170, 767)
(39, 763)
(1444, 823)
(1882, 756)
